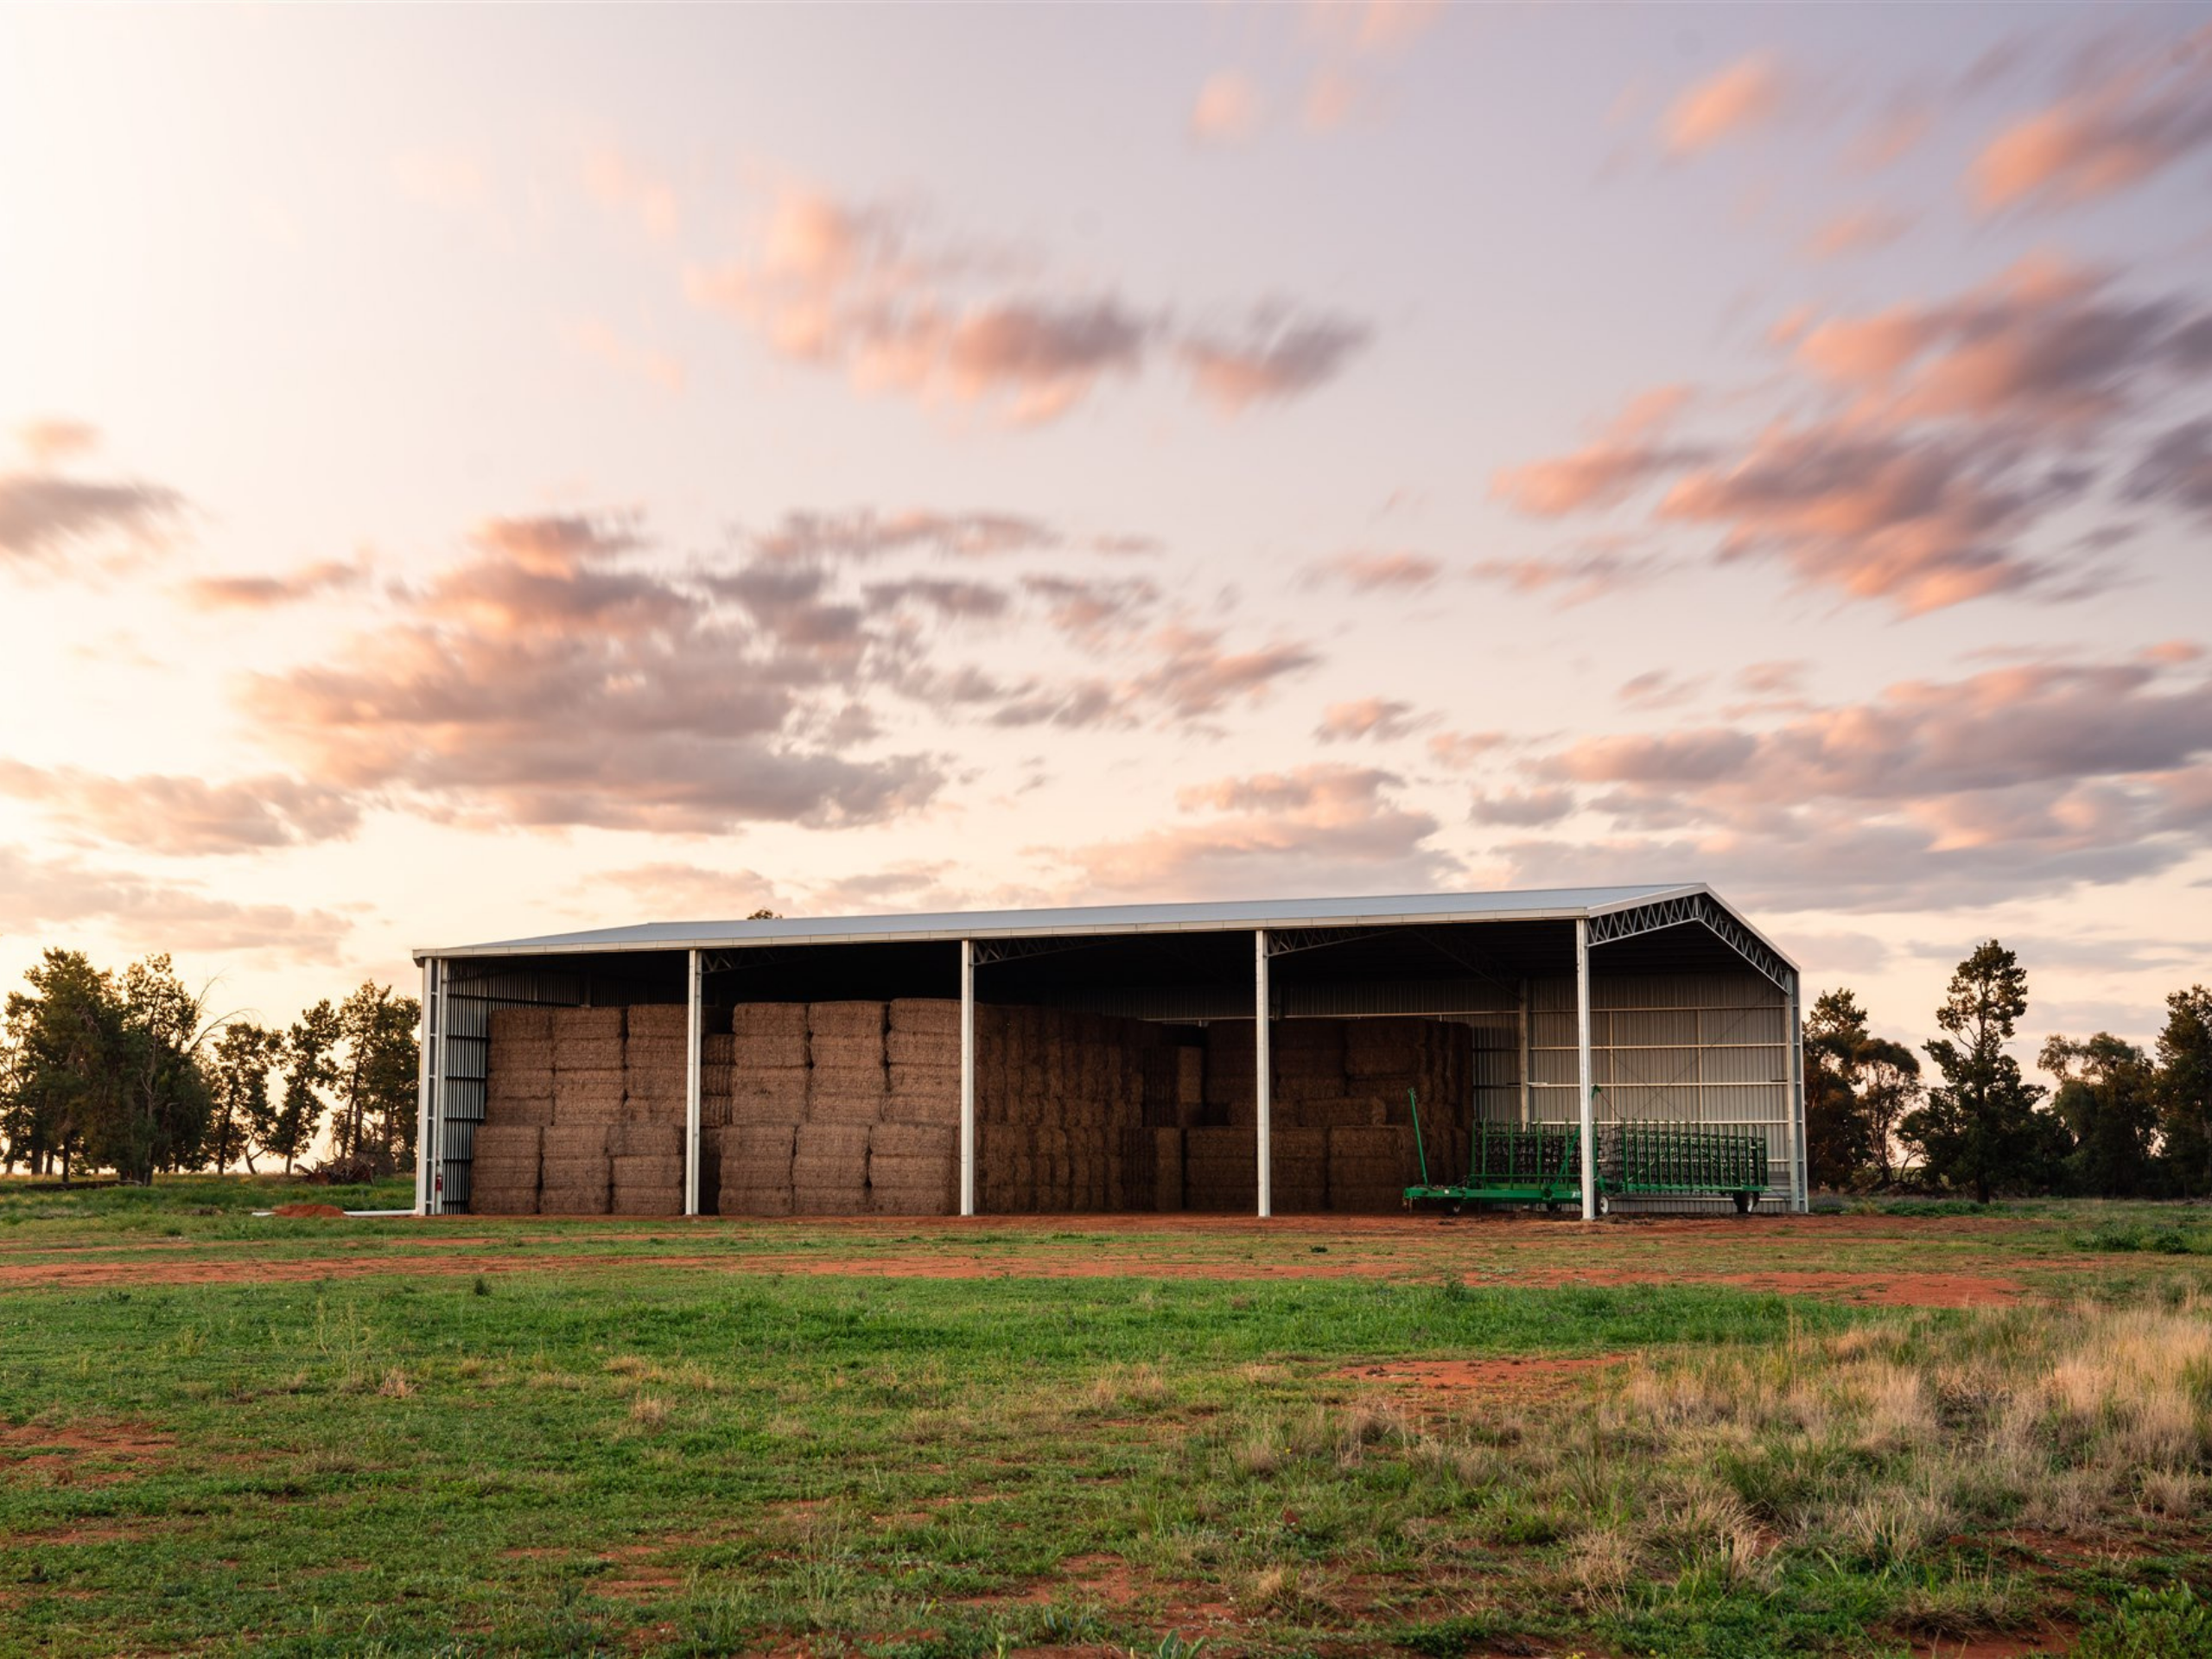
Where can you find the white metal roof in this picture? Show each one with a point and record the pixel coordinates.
(1549, 903)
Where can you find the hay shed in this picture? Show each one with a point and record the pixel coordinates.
(1256, 1057)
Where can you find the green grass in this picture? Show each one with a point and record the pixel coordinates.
(600, 1455)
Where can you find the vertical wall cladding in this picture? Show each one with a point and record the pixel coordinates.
(466, 1043)
(1697, 1048)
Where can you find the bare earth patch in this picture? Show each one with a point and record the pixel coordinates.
(1518, 1378)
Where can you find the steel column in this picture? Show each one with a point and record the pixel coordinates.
(967, 1076)
(422, 1092)
(693, 1038)
(439, 978)
(1260, 1053)
(1582, 1062)
(1528, 1057)
(1797, 1103)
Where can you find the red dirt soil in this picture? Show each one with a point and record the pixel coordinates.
(308, 1211)
(1883, 1288)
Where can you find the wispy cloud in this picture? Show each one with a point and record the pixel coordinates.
(1734, 100)
(2125, 127)
(861, 289)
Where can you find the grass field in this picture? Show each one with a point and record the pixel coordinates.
(1885, 1433)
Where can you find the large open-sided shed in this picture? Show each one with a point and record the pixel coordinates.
(1610, 1005)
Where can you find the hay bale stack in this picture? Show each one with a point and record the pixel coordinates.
(1221, 1170)
(1299, 1178)
(585, 1097)
(503, 1169)
(921, 1048)
(768, 1035)
(756, 1170)
(664, 1021)
(830, 1169)
(913, 1170)
(847, 1084)
(646, 1166)
(518, 1062)
(1369, 1169)
(1159, 1174)
(573, 1179)
(587, 1039)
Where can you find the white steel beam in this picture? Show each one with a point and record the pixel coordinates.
(440, 976)
(967, 1076)
(1528, 1057)
(693, 1040)
(1795, 1105)
(422, 1092)
(1583, 1070)
(1261, 1080)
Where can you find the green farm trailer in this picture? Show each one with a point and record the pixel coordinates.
(1542, 1163)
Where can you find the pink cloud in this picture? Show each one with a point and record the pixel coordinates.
(1278, 356)
(1383, 719)
(1229, 111)
(1367, 572)
(1742, 97)
(184, 816)
(1313, 829)
(1862, 229)
(2127, 128)
(2029, 778)
(39, 896)
(857, 289)
(262, 593)
(56, 437)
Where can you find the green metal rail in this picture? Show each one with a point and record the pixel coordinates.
(1542, 1163)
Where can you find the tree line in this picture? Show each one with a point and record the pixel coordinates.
(2121, 1122)
(131, 1072)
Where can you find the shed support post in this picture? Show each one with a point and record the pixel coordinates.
(423, 1091)
(1528, 1058)
(1795, 1105)
(1589, 1135)
(967, 1076)
(694, 1040)
(435, 1015)
(1263, 1071)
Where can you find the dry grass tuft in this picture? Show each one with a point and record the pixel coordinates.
(395, 1385)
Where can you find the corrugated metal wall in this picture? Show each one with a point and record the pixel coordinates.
(1695, 1048)
(1698, 1048)
(465, 1046)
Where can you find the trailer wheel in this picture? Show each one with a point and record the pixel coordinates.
(1743, 1203)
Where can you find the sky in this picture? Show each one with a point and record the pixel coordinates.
(468, 473)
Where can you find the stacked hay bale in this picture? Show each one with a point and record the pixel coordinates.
(503, 1169)
(576, 1178)
(846, 1079)
(656, 1063)
(1062, 1100)
(645, 1169)
(1221, 1169)
(830, 1169)
(768, 1064)
(1341, 1121)
(1370, 1167)
(922, 1050)
(518, 1079)
(914, 1169)
(587, 1066)
(756, 1169)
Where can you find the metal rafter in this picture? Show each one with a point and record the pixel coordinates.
(1614, 925)
(1282, 941)
(1018, 949)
